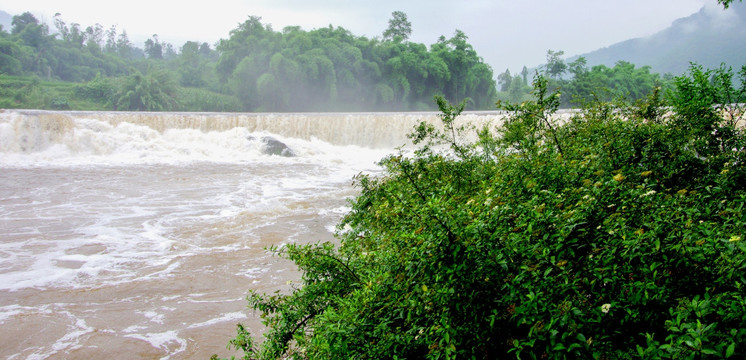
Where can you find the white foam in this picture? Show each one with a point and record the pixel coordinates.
(162, 341)
(223, 318)
(63, 139)
(154, 316)
(253, 273)
(71, 340)
(133, 328)
(6, 312)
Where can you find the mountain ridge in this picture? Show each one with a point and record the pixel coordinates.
(709, 37)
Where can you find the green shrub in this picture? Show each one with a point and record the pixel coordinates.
(59, 103)
(99, 89)
(617, 234)
(196, 99)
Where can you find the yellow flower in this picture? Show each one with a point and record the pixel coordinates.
(735, 238)
(619, 177)
(682, 192)
(646, 173)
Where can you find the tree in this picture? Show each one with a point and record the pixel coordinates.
(20, 22)
(10, 55)
(578, 67)
(504, 80)
(123, 45)
(524, 75)
(234, 49)
(191, 65)
(111, 40)
(62, 28)
(399, 27)
(153, 48)
(555, 65)
(517, 89)
(76, 36)
(460, 57)
(94, 36)
(30, 30)
(622, 82)
(168, 51)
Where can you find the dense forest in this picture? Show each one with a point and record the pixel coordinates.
(259, 69)
(255, 69)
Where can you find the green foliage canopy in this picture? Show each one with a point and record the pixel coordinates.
(330, 68)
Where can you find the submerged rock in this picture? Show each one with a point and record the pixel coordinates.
(272, 146)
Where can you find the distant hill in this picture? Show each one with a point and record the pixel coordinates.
(6, 20)
(709, 37)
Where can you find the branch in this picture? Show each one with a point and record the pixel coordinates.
(420, 193)
(344, 265)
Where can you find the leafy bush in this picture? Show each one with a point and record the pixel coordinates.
(153, 91)
(59, 103)
(616, 234)
(196, 99)
(99, 89)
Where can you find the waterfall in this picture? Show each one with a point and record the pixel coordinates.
(25, 131)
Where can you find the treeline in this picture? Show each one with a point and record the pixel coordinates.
(255, 69)
(578, 84)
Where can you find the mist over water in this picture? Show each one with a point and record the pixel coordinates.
(138, 235)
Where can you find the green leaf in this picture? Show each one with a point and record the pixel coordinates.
(581, 337)
(730, 350)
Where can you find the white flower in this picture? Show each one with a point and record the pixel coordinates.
(605, 308)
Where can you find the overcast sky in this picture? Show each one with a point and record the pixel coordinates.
(506, 33)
